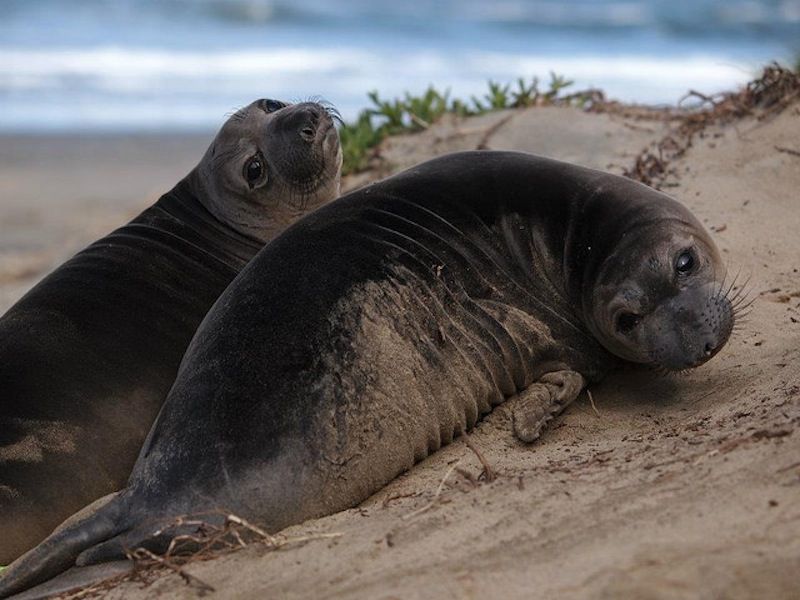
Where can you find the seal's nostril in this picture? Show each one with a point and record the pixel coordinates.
(709, 348)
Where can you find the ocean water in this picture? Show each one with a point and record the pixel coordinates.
(118, 65)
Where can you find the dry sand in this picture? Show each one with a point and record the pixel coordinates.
(677, 487)
(58, 193)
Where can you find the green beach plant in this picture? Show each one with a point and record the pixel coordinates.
(356, 139)
(412, 113)
(498, 96)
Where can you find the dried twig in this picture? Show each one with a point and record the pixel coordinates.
(432, 503)
(489, 473)
(768, 95)
(250, 527)
(787, 150)
(143, 553)
(591, 401)
(419, 121)
(207, 541)
(483, 144)
(389, 499)
(788, 467)
(696, 94)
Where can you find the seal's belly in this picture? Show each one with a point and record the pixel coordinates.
(422, 367)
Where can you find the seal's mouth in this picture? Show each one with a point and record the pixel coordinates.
(696, 331)
(327, 135)
(691, 353)
(324, 131)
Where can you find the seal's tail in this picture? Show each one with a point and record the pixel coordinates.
(97, 522)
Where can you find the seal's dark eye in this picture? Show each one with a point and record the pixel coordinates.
(685, 263)
(254, 170)
(273, 105)
(627, 321)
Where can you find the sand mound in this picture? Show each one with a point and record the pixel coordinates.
(678, 487)
(674, 487)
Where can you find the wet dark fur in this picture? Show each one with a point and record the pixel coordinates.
(89, 354)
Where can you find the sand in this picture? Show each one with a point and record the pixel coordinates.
(58, 193)
(674, 487)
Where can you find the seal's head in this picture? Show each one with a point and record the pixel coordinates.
(270, 163)
(660, 297)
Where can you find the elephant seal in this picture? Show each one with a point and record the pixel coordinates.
(89, 354)
(385, 324)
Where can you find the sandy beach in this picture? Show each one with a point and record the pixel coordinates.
(669, 487)
(58, 193)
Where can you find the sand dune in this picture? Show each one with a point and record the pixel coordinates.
(675, 487)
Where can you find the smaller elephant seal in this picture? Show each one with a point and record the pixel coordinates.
(387, 323)
(89, 354)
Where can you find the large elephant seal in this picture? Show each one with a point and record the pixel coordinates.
(387, 323)
(89, 354)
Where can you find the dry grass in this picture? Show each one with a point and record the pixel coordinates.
(766, 96)
(206, 542)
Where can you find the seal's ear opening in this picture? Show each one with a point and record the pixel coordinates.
(626, 322)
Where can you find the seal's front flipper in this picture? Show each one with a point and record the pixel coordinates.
(534, 407)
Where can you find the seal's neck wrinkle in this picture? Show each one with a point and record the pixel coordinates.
(233, 213)
(529, 245)
(266, 213)
(182, 213)
(601, 223)
(481, 354)
(479, 273)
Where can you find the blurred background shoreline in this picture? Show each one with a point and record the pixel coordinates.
(100, 66)
(106, 104)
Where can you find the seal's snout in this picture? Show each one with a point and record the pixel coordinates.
(308, 119)
(303, 151)
(706, 349)
(717, 317)
(690, 328)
